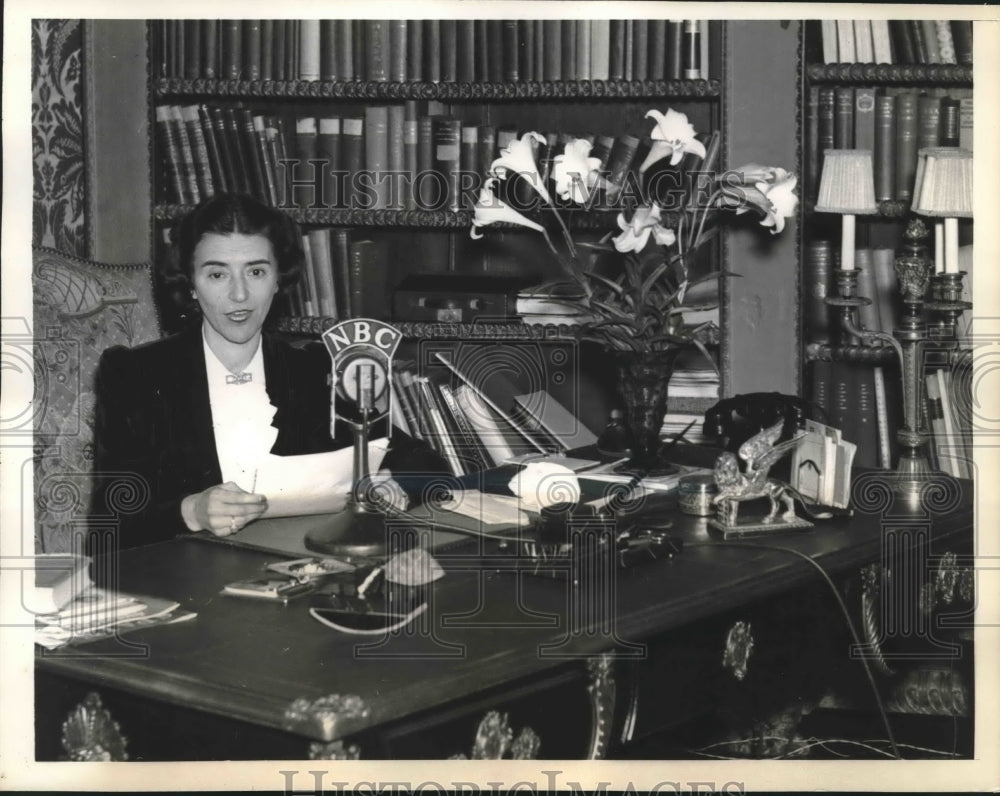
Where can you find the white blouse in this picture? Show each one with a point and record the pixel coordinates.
(241, 417)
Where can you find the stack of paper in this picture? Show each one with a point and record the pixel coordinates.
(98, 613)
(821, 465)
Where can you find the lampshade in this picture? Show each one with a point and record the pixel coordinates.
(943, 186)
(848, 182)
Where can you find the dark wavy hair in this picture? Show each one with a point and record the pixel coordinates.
(224, 214)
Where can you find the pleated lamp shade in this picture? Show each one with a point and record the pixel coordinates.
(848, 182)
(943, 186)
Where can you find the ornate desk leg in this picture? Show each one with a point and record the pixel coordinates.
(495, 739)
(602, 691)
(90, 735)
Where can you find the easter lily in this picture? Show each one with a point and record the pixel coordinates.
(519, 157)
(782, 201)
(673, 135)
(635, 232)
(574, 172)
(490, 210)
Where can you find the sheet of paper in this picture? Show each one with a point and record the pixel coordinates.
(316, 483)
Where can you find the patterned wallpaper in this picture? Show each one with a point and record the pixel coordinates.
(57, 139)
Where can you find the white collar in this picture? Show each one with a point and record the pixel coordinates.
(217, 372)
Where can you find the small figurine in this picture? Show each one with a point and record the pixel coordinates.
(760, 453)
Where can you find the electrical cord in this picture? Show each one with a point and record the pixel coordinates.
(843, 608)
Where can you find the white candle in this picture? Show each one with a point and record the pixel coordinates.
(951, 245)
(847, 243)
(939, 247)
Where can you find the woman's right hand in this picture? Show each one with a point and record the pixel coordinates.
(223, 509)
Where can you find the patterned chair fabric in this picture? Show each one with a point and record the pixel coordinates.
(81, 307)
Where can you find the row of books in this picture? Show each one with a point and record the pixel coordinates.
(445, 50)
(478, 426)
(344, 276)
(897, 41)
(893, 123)
(949, 423)
(407, 156)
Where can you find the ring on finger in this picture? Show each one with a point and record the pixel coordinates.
(232, 524)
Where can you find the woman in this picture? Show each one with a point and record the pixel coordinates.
(178, 420)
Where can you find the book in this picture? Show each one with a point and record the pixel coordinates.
(918, 32)
(376, 49)
(944, 433)
(415, 49)
(448, 53)
(949, 129)
(961, 34)
(555, 420)
(228, 149)
(232, 49)
(846, 53)
(311, 297)
(398, 40)
(376, 139)
(328, 150)
(886, 288)
(306, 144)
(353, 152)
(485, 424)
(438, 427)
(470, 449)
(526, 49)
(640, 49)
(408, 386)
(817, 277)
(58, 578)
(692, 50)
(267, 164)
(675, 49)
(843, 119)
(170, 146)
(319, 247)
(864, 49)
(965, 126)
(930, 39)
(868, 314)
(903, 46)
(928, 122)
(447, 133)
(884, 154)
(881, 41)
(827, 114)
(864, 119)
(344, 37)
(250, 152)
(552, 65)
(465, 67)
(567, 29)
(906, 144)
(828, 38)
(216, 165)
(616, 49)
(340, 260)
(953, 446)
(657, 49)
(396, 188)
(621, 158)
(369, 279)
(946, 43)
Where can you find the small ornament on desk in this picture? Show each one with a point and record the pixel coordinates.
(760, 453)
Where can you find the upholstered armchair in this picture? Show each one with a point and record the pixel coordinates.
(81, 307)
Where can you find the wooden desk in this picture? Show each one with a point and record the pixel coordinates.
(247, 680)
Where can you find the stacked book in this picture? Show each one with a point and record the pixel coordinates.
(949, 420)
(891, 122)
(432, 50)
(897, 41)
(479, 423)
(552, 303)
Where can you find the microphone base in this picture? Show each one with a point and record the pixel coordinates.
(350, 533)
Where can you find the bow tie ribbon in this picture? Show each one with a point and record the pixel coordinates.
(238, 378)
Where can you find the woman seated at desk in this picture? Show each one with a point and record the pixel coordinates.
(188, 412)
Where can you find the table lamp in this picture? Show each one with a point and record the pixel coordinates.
(943, 190)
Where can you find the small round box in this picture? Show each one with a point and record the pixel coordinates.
(695, 493)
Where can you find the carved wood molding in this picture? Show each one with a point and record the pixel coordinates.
(90, 735)
(322, 716)
(739, 646)
(335, 750)
(603, 691)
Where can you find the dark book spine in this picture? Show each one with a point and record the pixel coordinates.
(583, 54)
(657, 49)
(469, 164)
(410, 158)
(949, 121)
(377, 154)
(511, 62)
(282, 154)
(415, 49)
(629, 47)
(235, 177)
(309, 60)
(552, 66)
(192, 49)
(621, 157)
(906, 145)
(902, 42)
(397, 157)
(398, 37)
(931, 41)
(219, 180)
(616, 69)
(916, 28)
(432, 50)
(340, 255)
(863, 419)
(425, 187)
(864, 118)
(267, 49)
(812, 174)
(447, 134)
(961, 34)
(269, 155)
(675, 49)
(567, 31)
(466, 46)
(640, 49)
(377, 49)
(449, 50)
(526, 49)
(884, 158)
(193, 195)
(827, 116)
(344, 37)
(328, 146)
(359, 56)
(843, 120)
(928, 122)
(482, 35)
(251, 49)
(539, 27)
(819, 269)
(487, 136)
(232, 48)
(170, 148)
(820, 380)
(278, 44)
(353, 148)
(293, 48)
(209, 30)
(494, 32)
(601, 150)
(328, 50)
(251, 153)
(202, 165)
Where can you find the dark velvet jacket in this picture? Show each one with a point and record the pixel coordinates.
(153, 436)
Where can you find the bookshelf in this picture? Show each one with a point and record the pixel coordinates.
(919, 100)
